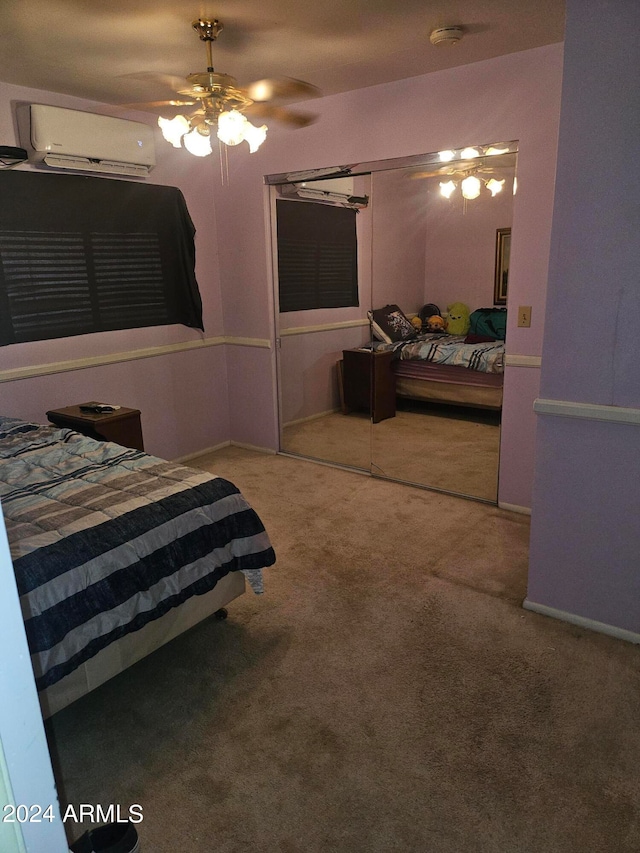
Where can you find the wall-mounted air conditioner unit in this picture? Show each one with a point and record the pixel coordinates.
(331, 191)
(72, 139)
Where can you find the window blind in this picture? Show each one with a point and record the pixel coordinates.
(317, 256)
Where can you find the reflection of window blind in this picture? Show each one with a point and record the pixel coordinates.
(81, 255)
(317, 256)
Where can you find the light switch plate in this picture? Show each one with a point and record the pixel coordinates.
(524, 316)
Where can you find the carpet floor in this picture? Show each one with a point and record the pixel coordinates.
(454, 448)
(387, 693)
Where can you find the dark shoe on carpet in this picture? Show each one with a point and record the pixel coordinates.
(111, 838)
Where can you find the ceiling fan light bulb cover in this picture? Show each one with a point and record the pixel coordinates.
(255, 136)
(196, 143)
(231, 127)
(471, 187)
(173, 129)
(447, 188)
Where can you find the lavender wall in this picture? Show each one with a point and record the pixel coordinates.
(585, 537)
(178, 418)
(511, 97)
(460, 249)
(398, 241)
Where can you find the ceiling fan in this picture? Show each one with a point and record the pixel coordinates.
(221, 104)
(472, 171)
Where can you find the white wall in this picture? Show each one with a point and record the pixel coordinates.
(27, 775)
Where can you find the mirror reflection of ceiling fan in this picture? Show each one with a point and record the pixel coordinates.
(471, 171)
(474, 168)
(222, 106)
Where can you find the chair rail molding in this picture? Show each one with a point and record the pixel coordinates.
(587, 411)
(30, 371)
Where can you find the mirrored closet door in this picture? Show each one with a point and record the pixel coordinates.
(322, 251)
(425, 410)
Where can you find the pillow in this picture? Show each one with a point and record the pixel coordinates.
(389, 324)
(491, 322)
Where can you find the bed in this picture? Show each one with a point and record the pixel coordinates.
(463, 370)
(441, 368)
(116, 552)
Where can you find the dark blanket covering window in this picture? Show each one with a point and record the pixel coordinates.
(82, 254)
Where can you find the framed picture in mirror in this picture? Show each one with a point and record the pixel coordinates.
(503, 247)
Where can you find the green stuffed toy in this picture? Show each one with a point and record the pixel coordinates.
(458, 320)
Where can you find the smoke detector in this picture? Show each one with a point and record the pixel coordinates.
(446, 35)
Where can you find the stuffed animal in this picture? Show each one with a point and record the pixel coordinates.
(436, 323)
(458, 319)
(417, 323)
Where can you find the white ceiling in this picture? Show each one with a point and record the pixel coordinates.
(109, 51)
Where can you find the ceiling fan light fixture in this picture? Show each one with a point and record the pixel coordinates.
(494, 186)
(447, 188)
(231, 127)
(255, 136)
(197, 143)
(446, 156)
(469, 153)
(471, 187)
(234, 128)
(174, 129)
(220, 104)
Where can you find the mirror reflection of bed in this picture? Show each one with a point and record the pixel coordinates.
(415, 247)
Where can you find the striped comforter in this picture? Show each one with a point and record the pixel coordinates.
(106, 539)
(487, 356)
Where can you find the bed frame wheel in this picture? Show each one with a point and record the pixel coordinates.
(222, 613)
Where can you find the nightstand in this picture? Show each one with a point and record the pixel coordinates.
(122, 426)
(369, 383)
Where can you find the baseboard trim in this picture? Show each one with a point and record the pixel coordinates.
(207, 450)
(310, 418)
(523, 510)
(582, 621)
(191, 456)
(258, 449)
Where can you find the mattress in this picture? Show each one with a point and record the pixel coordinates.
(106, 539)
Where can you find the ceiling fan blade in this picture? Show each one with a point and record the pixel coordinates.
(280, 87)
(166, 109)
(152, 105)
(262, 110)
(436, 174)
(151, 78)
